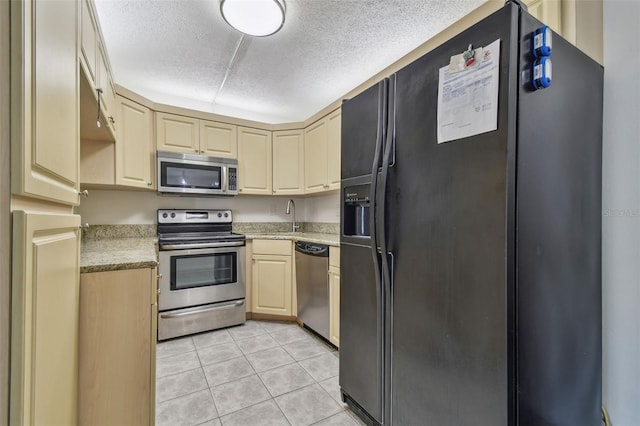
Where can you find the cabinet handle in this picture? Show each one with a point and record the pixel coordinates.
(84, 193)
(112, 120)
(196, 150)
(202, 151)
(239, 189)
(149, 183)
(99, 92)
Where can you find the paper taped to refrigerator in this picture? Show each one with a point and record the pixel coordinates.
(468, 100)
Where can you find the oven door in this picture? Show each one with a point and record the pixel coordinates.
(201, 276)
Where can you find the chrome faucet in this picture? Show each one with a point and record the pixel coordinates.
(290, 204)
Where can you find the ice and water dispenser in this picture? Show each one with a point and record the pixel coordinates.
(356, 211)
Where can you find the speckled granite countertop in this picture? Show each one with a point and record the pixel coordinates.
(117, 247)
(312, 237)
(116, 254)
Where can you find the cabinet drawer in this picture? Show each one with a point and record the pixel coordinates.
(282, 247)
(334, 256)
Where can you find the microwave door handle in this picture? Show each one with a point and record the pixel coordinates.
(224, 184)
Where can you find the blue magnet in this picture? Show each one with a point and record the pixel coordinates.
(541, 73)
(541, 42)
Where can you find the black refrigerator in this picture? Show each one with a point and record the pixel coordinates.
(471, 267)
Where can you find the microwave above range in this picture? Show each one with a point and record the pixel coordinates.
(190, 174)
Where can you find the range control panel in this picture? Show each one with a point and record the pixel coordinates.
(194, 216)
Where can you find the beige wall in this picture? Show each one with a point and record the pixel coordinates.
(5, 216)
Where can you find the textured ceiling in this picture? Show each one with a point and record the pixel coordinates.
(180, 52)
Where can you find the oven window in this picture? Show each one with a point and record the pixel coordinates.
(178, 175)
(203, 270)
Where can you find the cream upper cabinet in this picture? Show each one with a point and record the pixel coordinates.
(254, 161)
(547, 11)
(322, 154)
(116, 348)
(334, 147)
(44, 328)
(135, 149)
(218, 139)
(288, 162)
(177, 133)
(193, 136)
(89, 43)
(315, 157)
(45, 131)
(271, 277)
(106, 91)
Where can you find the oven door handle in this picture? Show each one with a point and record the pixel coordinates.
(201, 245)
(200, 311)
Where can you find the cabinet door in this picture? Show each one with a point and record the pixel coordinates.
(44, 328)
(334, 305)
(115, 386)
(334, 130)
(135, 150)
(218, 139)
(547, 11)
(177, 133)
(107, 95)
(89, 43)
(45, 130)
(288, 162)
(271, 285)
(254, 161)
(315, 157)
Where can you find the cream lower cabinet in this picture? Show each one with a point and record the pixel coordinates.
(44, 329)
(334, 295)
(45, 99)
(117, 341)
(272, 277)
(135, 148)
(254, 161)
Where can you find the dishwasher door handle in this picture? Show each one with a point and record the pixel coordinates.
(311, 249)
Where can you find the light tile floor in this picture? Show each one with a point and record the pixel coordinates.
(259, 373)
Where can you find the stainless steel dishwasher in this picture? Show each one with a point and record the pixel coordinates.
(312, 269)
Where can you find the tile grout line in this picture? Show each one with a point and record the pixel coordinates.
(266, 332)
(273, 398)
(213, 400)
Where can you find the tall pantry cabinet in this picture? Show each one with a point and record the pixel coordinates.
(44, 116)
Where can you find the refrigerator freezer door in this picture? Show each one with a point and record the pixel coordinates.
(363, 123)
(361, 338)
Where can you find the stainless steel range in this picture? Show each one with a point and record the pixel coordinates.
(202, 267)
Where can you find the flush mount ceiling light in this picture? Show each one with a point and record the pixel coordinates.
(254, 17)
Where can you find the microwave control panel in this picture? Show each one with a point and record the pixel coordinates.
(233, 179)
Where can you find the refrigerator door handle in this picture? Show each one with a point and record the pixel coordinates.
(381, 200)
(380, 137)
